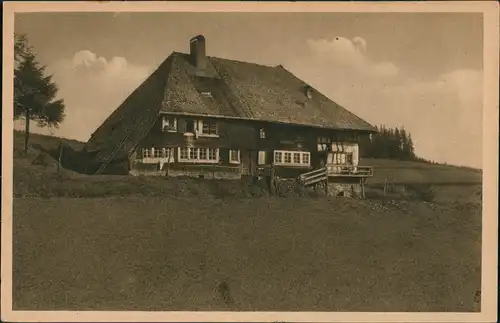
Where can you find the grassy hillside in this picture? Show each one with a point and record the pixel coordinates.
(417, 172)
(43, 142)
(276, 254)
(147, 243)
(44, 180)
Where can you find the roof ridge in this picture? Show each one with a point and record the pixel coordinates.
(238, 61)
(228, 59)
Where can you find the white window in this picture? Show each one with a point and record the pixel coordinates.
(183, 153)
(209, 128)
(234, 156)
(292, 158)
(198, 155)
(305, 159)
(342, 158)
(278, 157)
(262, 157)
(169, 124)
(155, 155)
(262, 134)
(194, 153)
(202, 154)
(213, 154)
(167, 153)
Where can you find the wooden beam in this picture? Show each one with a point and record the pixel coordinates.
(363, 188)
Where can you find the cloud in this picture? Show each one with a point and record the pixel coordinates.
(349, 54)
(360, 44)
(443, 112)
(92, 87)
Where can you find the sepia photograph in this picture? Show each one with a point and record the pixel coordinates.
(250, 162)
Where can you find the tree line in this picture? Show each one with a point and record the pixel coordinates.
(35, 94)
(390, 143)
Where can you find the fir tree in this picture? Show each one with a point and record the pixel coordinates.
(34, 92)
(410, 148)
(391, 143)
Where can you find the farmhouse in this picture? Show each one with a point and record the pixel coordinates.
(209, 117)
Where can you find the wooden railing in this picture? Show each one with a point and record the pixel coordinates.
(349, 170)
(313, 177)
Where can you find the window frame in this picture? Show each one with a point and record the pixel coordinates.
(206, 94)
(283, 160)
(155, 155)
(165, 125)
(195, 151)
(299, 155)
(261, 157)
(210, 132)
(308, 159)
(238, 158)
(348, 157)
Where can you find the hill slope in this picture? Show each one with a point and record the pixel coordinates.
(402, 172)
(197, 245)
(417, 172)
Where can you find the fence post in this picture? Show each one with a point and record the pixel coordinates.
(363, 187)
(169, 161)
(60, 157)
(272, 181)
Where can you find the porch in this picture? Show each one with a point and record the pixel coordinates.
(337, 180)
(348, 171)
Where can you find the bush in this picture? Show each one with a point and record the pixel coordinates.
(42, 159)
(421, 192)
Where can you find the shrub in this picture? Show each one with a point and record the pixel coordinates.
(422, 192)
(42, 159)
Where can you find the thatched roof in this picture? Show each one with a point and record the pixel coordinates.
(238, 90)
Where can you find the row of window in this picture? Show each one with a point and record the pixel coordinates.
(205, 127)
(211, 155)
(158, 153)
(296, 158)
(340, 158)
(208, 155)
(210, 128)
(187, 154)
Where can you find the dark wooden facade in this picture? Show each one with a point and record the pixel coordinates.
(254, 141)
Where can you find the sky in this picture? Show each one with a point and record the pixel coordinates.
(423, 71)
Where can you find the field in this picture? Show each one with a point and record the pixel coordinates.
(149, 244)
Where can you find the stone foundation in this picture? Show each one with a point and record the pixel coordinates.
(344, 189)
(153, 170)
(203, 174)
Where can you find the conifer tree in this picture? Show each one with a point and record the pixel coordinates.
(34, 92)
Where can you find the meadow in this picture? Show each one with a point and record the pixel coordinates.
(133, 243)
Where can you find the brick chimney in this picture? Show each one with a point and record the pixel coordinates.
(197, 52)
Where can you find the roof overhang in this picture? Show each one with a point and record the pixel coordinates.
(266, 121)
